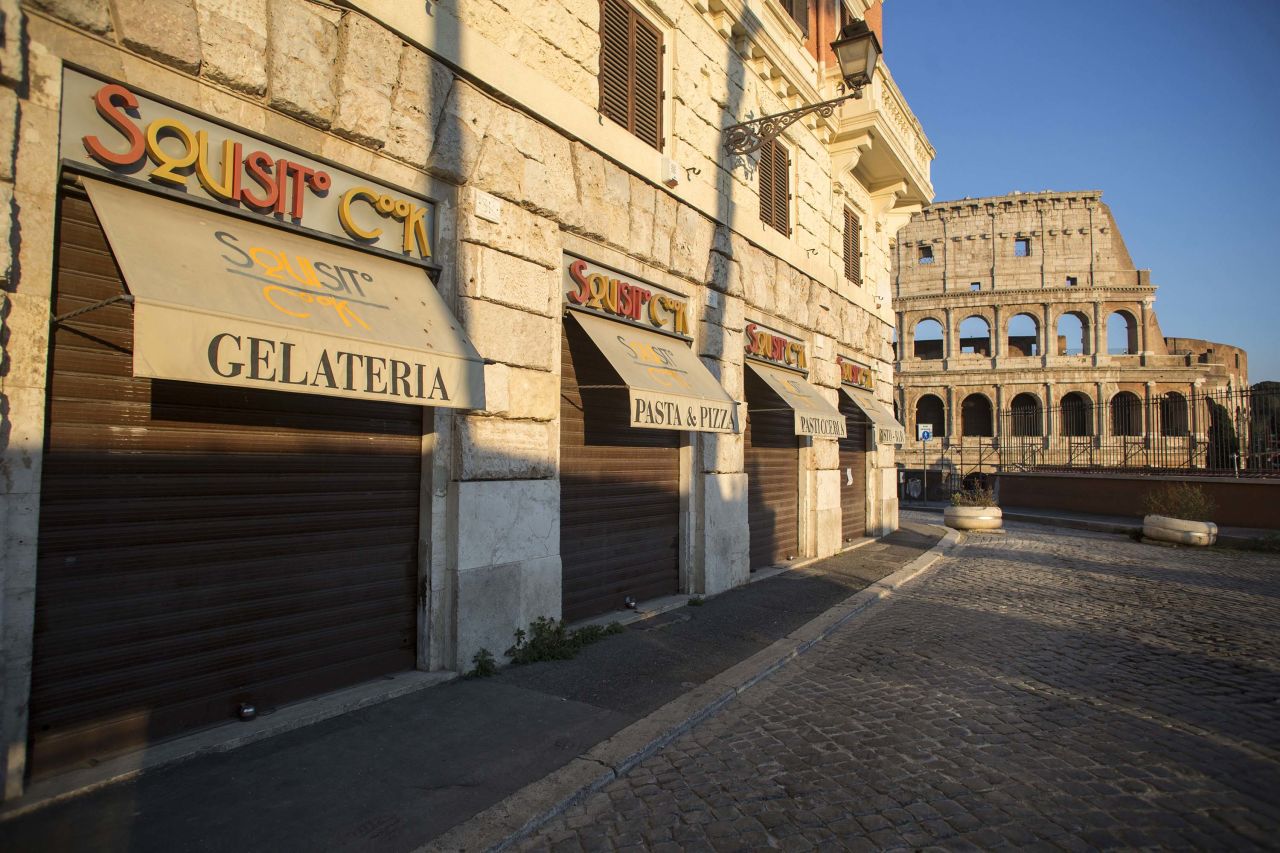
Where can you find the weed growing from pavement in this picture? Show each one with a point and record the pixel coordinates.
(696, 601)
(1187, 501)
(484, 664)
(550, 639)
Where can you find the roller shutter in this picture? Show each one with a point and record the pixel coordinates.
(203, 546)
(619, 490)
(853, 473)
(772, 460)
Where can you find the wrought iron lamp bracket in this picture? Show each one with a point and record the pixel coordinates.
(749, 136)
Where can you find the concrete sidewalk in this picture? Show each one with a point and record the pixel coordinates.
(474, 762)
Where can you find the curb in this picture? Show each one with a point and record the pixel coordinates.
(1095, 525)
(509, 820)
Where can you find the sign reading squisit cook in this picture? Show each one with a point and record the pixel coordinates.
(782, 362)
(114, 130)
(642, 332)
(855, 374)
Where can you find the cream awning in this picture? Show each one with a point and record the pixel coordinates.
(888, 430)
(814, 415)
(669, 387)
(222, 300)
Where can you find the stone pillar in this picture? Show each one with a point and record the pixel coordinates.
(1143, 349)
(1049, 333)
(997, 423)
(1101, 425)
(1099, 334)
(997, 333)
(948, 345)
(900, 348)
(1150, 417)
(1049, 403)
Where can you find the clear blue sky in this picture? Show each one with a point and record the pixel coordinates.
(1171, 108)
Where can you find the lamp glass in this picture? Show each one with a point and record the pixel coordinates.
(857, 51)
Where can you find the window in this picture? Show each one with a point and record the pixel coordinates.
(631, 71)
(799, 12)
(975, 286)
(775, 187)
(852, 247)
(926, 254)
(1072, 281)
(1022, 247)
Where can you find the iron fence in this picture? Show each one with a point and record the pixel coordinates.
(1231, 433)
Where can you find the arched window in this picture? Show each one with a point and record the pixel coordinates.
(1173, 414)
(975, 416)
(1024, 336)
(975, 336)
(1077, 414)
(1025, 416)
(927, 339)
(930, 410)
(1126, 414)
(1122, 334)
(1073, 334)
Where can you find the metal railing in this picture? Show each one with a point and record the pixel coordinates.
(1226, 433)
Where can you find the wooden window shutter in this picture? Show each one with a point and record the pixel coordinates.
(852, 247)
(775, 187)
(631, 71)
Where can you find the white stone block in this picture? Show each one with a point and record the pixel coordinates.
(233, 43)
(507, 521)
(509, 335)
(302, 56)
(508, 280)
(369, 65)
(500, 449)
(726, 545)
(494, 601)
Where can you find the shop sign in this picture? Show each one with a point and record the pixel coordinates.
(600, 290)
(111, 129)
(855, 373)
(226, 301)
(774, 347)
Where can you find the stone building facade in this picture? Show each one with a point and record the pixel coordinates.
(195, 514)
(1006, 305)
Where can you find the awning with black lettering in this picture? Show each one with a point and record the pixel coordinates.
(222, 300)
(814, 415)
(669, 387)
(887, 429)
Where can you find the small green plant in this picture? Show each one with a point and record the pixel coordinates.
(483, 664)
(977, 496)
(696, 601)
(1187, 501)
(549, 639)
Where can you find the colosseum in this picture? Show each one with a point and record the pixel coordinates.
(1025, 334)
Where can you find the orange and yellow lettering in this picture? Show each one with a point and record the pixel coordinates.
(344, 213)
(167, 166)
(111, 101)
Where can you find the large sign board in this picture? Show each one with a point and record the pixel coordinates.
(855, 374)
(590, 286)
(112, 129)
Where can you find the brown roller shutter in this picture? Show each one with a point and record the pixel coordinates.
(202, 546)
(853, 467)
(619, 490)
(772, 457)
(631, 71)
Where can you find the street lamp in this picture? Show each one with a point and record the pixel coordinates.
(857, 50)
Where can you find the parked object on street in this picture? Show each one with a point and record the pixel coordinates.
(1179, 531)
(973, 509)
(1179, 513)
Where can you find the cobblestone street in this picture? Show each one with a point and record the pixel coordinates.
(1045, 689)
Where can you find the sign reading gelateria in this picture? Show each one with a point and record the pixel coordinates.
(112, 129)
(855, 373)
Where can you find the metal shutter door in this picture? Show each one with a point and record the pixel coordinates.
(201, 546)
(772, 457)
(619, 491)
(853, 464)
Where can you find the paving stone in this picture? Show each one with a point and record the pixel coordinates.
(1047, 690)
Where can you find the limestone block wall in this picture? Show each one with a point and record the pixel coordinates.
(490, 109)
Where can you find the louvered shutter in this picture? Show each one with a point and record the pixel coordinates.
(775, 187)
(631, 71)
(799, 11)
(852, 247)
(782, 189)
(766, 184)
